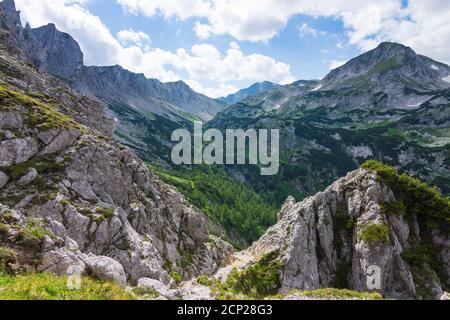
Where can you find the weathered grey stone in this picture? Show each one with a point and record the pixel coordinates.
(106, 268)
(60, 262)
(17, 151)
(61, 141)
(155, 285)
(28, 178)
(3, 179)
(11, 120)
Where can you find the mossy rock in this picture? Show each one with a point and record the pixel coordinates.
(7, 256)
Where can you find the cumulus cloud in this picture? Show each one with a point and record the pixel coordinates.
(204, 67)
(367, 23)
(130, 37)
(182, 9)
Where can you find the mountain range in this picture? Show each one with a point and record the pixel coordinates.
(78, 193)
(146, 110)
(388, 104)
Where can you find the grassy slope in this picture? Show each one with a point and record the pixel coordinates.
(48, 287)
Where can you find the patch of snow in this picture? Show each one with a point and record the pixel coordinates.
(116, 120)
(434, 67)
(414, 105)
(446, 79)
(317, 88)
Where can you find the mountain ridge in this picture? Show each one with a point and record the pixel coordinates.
(244, 93)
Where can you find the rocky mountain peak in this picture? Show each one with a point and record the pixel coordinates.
(389, 63)
(9, 16)
(392, 49)
(59, 53)
(10, 13)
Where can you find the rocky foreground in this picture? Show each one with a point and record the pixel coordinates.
(335, 239)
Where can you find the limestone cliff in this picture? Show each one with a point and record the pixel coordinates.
(358, 226)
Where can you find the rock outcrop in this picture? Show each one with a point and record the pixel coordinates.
(343, 237)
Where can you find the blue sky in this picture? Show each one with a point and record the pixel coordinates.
(220, 46)
(308, 55)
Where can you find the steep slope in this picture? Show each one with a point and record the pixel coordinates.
(367, 109)
(75, 201)
(146, 110)
(254, 89)
(371, 221)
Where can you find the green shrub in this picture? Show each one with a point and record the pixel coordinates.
(43, 199)
(258, 280)
(4, 230)
(147, 293)
(396, 208)
(65, 202)
(206, 281)
(105, 212)
(85, 211)
(176, 276)
(420, 200)
(421, 255)
(6, 256)
(33, 232)
(375, 234)
(8, 216)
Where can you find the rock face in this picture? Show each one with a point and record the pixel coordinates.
(54, 52)
(321, 242)
(120, 86)
(72, 198)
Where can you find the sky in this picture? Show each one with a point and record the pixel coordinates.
(220, 46)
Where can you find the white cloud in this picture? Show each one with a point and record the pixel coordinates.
(304, 29)
(334, 64)
(203, 31)
(130, 37)
(422, 24)
(261, 20)
(203, 66)
(182, 9)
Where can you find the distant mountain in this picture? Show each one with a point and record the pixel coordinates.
(146, 110)
(250, 91)
(388, 67)
(389, 104)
